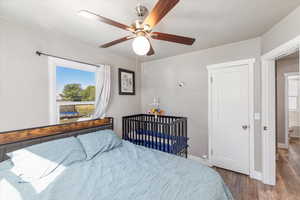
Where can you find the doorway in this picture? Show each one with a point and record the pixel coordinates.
(269, 126)
(287, 100)
(292, 106)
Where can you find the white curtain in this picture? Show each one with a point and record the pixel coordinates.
(103, 81)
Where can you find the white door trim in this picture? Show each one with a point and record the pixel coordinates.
(269, 107)
(212, 68)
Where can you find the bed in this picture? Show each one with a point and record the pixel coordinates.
(125, 172)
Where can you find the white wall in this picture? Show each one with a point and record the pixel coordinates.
(287, 29)
(159, 78)
(24, 75)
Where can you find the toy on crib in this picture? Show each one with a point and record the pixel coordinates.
(156, 110)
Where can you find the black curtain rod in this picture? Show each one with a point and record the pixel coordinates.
(45, 54)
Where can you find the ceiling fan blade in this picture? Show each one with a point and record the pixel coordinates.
(160, 10)
(116, 42)
(90, 15)
(151, 51)
(173, 38)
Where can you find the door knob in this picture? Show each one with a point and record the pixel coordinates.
(245, 127)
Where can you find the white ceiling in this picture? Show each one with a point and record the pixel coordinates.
(212, 23)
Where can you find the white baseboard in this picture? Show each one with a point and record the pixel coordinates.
(282, 146)
(200, 160)
(256, 175)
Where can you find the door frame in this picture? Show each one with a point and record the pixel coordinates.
(216, 67)
(268, 128)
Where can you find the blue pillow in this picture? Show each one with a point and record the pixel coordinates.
(37, 161)
(99, 142)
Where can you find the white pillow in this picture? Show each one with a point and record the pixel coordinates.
(38, 161)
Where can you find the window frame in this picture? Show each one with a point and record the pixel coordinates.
(53, 63)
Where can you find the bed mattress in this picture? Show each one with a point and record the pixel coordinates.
(129, 172)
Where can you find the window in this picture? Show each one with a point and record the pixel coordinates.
(293, 94)
(293, 103)
(72, 91)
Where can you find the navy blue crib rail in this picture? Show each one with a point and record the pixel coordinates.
(164, 133)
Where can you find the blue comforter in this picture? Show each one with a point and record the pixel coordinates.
(128, 172)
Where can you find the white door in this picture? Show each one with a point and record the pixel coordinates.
(230, 124)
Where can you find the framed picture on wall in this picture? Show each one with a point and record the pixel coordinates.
(126, 82)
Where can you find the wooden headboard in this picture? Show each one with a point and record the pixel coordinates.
(13, 140)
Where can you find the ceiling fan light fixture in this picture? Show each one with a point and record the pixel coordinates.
(141, 29)
(141, 45)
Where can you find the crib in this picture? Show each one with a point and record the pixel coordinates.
(163, 133)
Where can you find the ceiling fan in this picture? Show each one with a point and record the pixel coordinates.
(142, 28)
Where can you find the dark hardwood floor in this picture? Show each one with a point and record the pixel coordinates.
(288, 179)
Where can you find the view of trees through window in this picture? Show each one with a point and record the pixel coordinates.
(75, 94)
